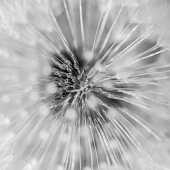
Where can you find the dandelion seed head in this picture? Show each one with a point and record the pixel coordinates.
(82, 84)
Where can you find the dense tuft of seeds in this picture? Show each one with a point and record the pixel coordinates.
(84, 85)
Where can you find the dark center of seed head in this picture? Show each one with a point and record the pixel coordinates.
(69, 74)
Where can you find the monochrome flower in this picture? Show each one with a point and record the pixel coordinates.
(84, 85)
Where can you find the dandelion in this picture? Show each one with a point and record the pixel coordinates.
(84, 85)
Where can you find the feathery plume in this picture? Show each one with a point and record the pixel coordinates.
(84, 85)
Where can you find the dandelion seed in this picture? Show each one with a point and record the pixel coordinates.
(82, 84)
